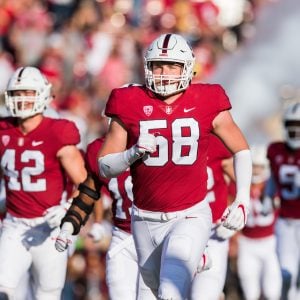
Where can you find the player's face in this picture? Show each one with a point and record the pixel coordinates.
(161, 68)
(293, 128)
(25, 93)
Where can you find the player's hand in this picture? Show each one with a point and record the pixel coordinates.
(235, 216)
(97, 232)
(55, 214)
(64, 238)
(224, 233)
(146, 144)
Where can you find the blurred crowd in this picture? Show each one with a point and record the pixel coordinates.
(88, 47)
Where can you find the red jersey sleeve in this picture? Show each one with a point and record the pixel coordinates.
(91, 156)
(69, 132)
(112, 107)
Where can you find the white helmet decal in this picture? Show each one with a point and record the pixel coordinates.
(27, 78)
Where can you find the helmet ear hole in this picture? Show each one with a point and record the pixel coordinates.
(170, 48)
(26, 79)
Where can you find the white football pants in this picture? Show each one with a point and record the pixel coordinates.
(209, 284)
(288, 249)
(258, 268)
(121, 266)
(29, 243)
(169, 248)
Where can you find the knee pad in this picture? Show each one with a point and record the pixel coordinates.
(286, 283)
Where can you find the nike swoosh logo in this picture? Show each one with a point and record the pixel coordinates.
(188, 109)
(35, 143)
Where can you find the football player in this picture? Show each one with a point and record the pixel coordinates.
(122, 274)
(284, 159)
(36, 154)
(161, 131)
(257, 261)
(121, 258)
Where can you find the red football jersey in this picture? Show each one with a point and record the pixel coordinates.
(285, 166)
(175, 175)
(120, 188)
(34, 178)
(217, 193)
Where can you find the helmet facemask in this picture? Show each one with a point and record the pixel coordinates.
(25, 106)
(292, 131)
(291, 124)
(169, 48)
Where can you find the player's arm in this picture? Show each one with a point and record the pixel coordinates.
(114, 158)
(82, 205)
(228, 131)
(270, 187)
(228, 169)
(73, 163)
(269, 200)
(235, 216)
(223, 233)
(79, 212)
(76, 216)
(98, 211)
(97, 231)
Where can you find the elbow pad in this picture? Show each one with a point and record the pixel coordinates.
(243, 174)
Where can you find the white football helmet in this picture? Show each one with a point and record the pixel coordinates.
(27, 78)
(169, 48)
(260, 162)
(291, 124)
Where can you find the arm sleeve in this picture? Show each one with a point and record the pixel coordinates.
(112, 165)
(243, 173)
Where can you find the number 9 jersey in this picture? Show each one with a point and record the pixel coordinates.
(285, 168)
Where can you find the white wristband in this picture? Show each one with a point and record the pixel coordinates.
(243, 173)
(112, 165)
